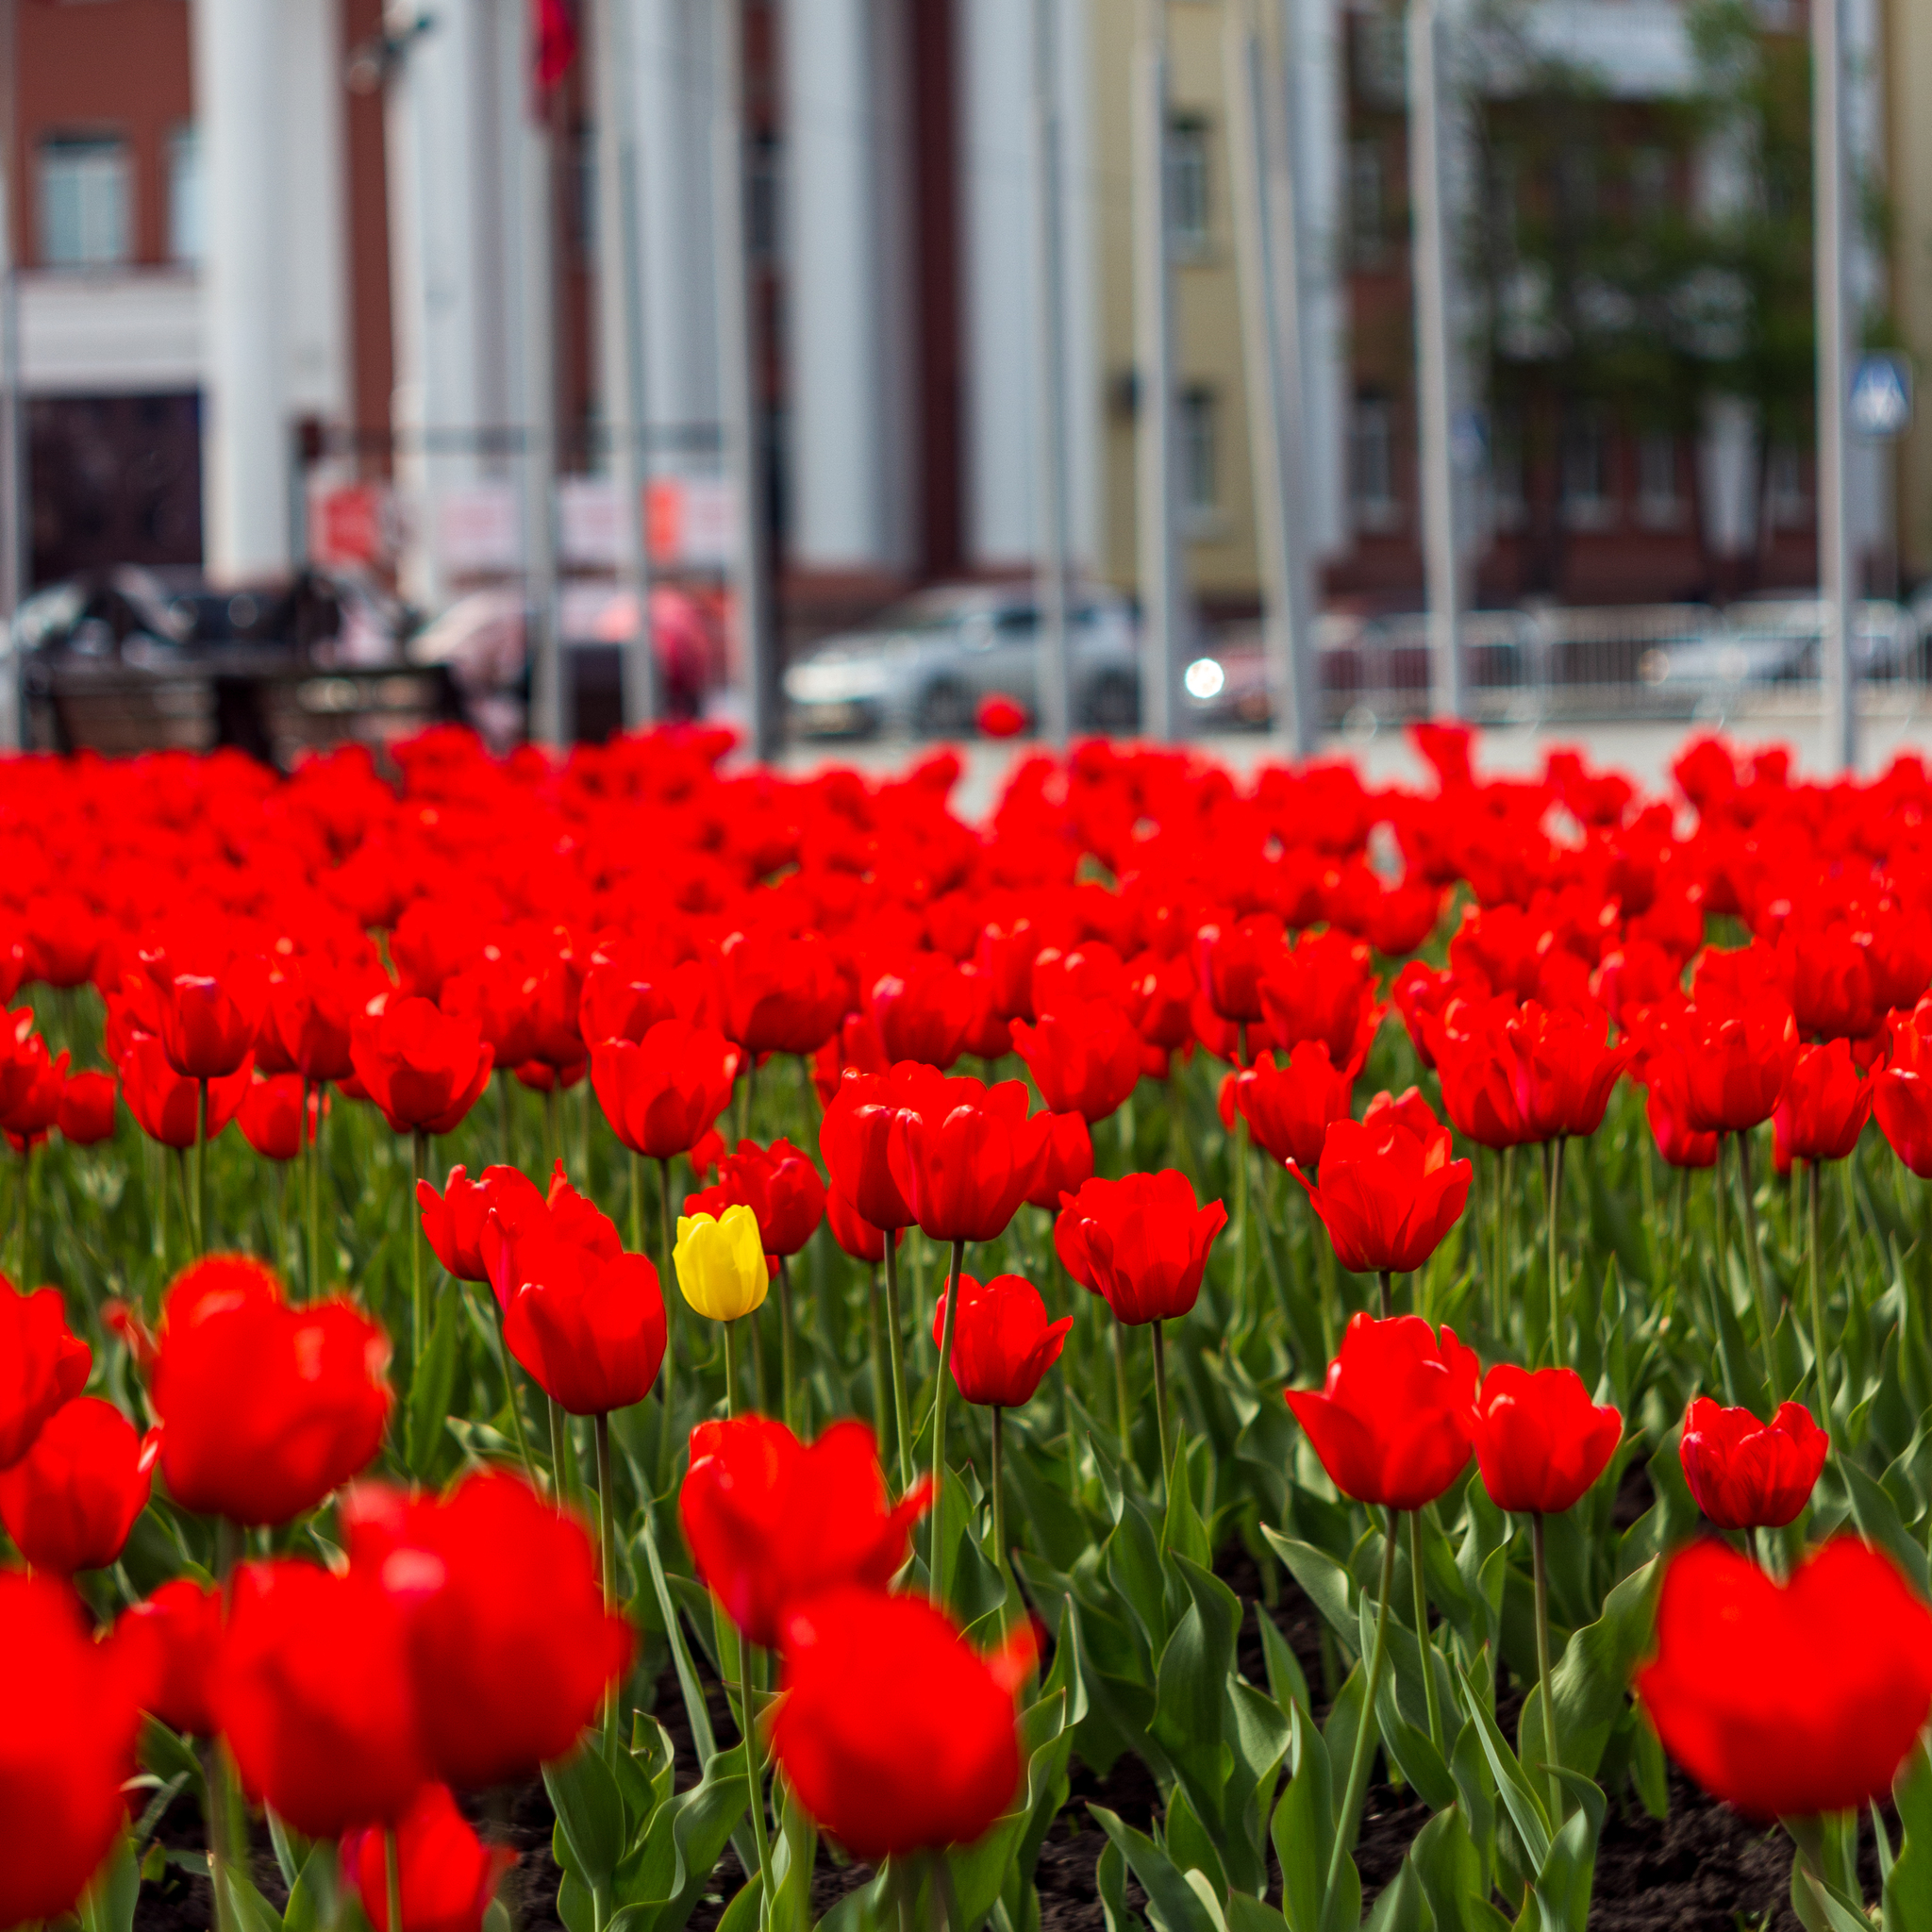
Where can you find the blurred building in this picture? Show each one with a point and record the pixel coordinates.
(270, 254)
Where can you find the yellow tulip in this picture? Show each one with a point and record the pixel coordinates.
(720, 1264)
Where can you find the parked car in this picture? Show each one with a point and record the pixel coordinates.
(1766, 642)
(923, 665)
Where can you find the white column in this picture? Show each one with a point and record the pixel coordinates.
(245, 453)
(315, 181)
(1318, 122)
(670, 43)
(445, 286)
(833, 203)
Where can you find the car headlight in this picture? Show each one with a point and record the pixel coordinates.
(1204, 678)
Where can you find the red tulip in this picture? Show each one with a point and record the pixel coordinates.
(1540, 1440)
(1288, 1107)
(64, 935)
(923, 1011)
(771, 1520)
(1738, 1056)
(510, 1647)
(1066, 1164)
(209, 1020)
(1084, 1057)
(41, 1366)
(1668, 1108)
(70, 1500)
(963, 1155)
(72, 1720)
(854, 1139)
(1003, 1344)
(314, 1697)
(1470, 1046)
(1006, 954)
(424, 1068)
(1826, 976)
(1387, 1194)
(1142, 1243)
(1824, 1107)
(1232, 958)
(453, 1220)
(313, 1004)
(781, 996)
(86, 1110)
(661, 1095)
(1790, 1701)
(1324, 989)
(1748, 1475)
(1159, 1000)
(178, 1630)
(1901, 1090)
(781, 1187)
(1564, 1070)
(855, 1234)
(893, 1732)
(1392, 1422)
(447, 1878)
(265, 1408)
(556, 1039)
(271, 1113)
(1000, 716)
(628, 990)
(590, 1327)
(1069, 976)
(989, 1034)
(166, 1104)
(498, 991)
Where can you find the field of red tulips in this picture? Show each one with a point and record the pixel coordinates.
(1396, 1391)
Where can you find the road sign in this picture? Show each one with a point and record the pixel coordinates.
(1880, 407)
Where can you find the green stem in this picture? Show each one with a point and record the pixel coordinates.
(560, 1465)
(1754, 1259)
(731, 1370)
(516, 1406)
(392, 1874)
(1505, 1241)
(895, 1348)
(787, 1398)
(667, 1387)
(1358, 1759)
(1553, 1171)
(200, 1174)
(876, 1349)
(1386, 1281)
(606, 1540)
(419, 1293)
(729, 1642)
(1424, 1642)
(637, 1204)
(1160, 1404)
(1811, 1219)
(1542, 1566)
(506, 1124)
(999, 1513)
(1124, 1412)
(551, 1148)
(312, 1175)
(938, 1417)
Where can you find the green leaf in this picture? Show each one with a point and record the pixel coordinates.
(1450, 1871)
(1589, 1686)
(1326, 1583)
(430, 1383)
(741, 1914)
(1303, 1826)
(590, 1813)
(1110, 1881)
(252, 1912)
(1175, 1902)
(1878, 1522)
(1399, 1906)
(660, 1886)
(1287, 1684)
(312, 1897)
(1562, 1883)
(108, 1903)
(1908, 1885)
(1183, 1535)
(1527, 1812)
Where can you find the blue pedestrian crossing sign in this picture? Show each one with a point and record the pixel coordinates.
(1880, 404)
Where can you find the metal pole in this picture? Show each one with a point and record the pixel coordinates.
(1050, 373)
(13, 516)
(1268, 241)
(739, 387)
(621, 344)
(1163, 622)
(531, 173)
(1838, 689)
(1441, 567)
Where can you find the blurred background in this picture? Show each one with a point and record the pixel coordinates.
(1188, 367)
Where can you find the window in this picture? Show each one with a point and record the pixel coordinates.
(1587, 473)
(184, 195)
(84, 219)
(1658, 505)
(1199, 458)
(1371, 464)
(1786, 505)
(1367, 216)
(1187, 185)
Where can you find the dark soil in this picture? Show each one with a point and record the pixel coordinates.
(1705, 1869)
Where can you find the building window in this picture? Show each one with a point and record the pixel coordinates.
(1785, 504)
(1658, 506)
(1367, 210)
(84, 214)
(1371, 464)
(1187, 184)
(184, 195)
(1199, 456)
(1586, 504)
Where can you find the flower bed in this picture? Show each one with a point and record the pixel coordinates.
(1396, 1393)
